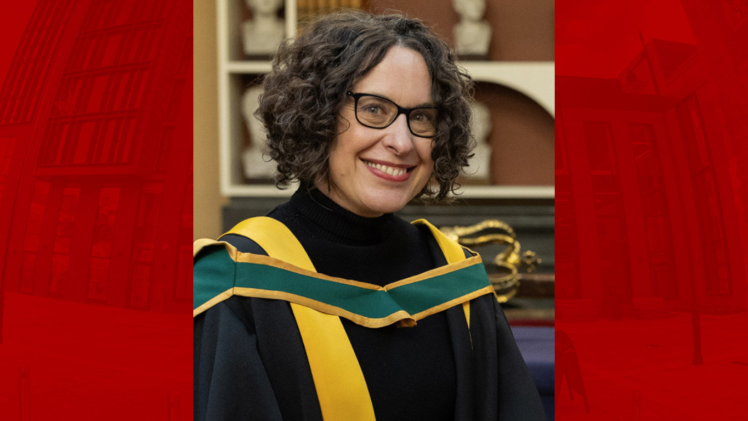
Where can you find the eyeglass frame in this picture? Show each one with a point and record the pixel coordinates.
(400, 110)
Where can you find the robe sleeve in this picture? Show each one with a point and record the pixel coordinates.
(230, 381)
(518, 396)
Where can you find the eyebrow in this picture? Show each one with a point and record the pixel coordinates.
(421, 105)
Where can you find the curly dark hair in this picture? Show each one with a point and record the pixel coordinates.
(310, 78)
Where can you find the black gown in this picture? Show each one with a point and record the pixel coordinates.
(250, 361)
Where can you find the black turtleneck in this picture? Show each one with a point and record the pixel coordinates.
(410, 372)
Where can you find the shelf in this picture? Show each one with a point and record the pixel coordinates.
(507, 192)
(534, 79)
(466, 192)
(248, 67)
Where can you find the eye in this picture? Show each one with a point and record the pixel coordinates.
(422, 116)
(372, 109)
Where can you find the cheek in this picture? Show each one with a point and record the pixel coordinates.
(424, 152)
(333, 162)
(342, 157)
(343, 124)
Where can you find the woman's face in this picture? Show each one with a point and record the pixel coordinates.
(378, 171)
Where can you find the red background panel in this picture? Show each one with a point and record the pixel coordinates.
(96, 210)
(651, 217)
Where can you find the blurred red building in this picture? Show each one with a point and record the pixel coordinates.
(95, 168)
(655, 215)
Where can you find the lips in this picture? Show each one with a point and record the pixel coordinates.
(392, 172)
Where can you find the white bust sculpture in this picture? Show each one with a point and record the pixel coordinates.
(265, 31)
(472, 34)
(479, 166)
(255, 165)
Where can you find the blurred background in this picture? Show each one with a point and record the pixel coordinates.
(507, 46)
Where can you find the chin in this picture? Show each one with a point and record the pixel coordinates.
(385, 208)
(379, 205)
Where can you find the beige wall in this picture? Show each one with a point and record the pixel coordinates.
(207, 198)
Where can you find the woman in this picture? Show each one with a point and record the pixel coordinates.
(332, 307)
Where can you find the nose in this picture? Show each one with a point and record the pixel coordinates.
(398, 139)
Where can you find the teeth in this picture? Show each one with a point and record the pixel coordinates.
(389, 170)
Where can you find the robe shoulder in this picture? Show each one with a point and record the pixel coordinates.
(213, 273)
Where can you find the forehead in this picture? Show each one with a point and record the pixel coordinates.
(401, 76)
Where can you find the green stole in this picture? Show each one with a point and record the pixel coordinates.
(318, 301)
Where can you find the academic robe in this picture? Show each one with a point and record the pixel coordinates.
(251, 363)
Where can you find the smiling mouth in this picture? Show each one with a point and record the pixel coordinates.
(393, 171)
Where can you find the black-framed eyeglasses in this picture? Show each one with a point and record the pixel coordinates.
(377, 112)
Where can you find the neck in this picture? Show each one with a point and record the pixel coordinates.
(329, 191)
(330, 220)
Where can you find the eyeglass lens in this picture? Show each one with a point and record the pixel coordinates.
(379, 113)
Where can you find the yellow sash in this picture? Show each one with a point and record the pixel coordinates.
(452, 251)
